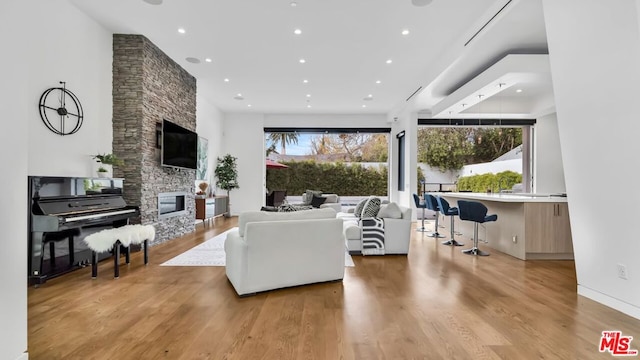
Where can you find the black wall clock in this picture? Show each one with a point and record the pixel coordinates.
(60, 110)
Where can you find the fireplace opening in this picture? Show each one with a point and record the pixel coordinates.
(172, 204)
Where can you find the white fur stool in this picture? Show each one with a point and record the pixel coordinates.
(111, 239)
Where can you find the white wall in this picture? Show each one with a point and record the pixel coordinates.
(243, 138)
(594, 49)
(406, 121)
(77, 50)
(326, 121)
(14, 103)
(209, 124)
(547, 159)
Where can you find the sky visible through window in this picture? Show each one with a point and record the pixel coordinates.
(302, 148)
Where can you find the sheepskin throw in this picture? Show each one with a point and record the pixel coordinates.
(129, 234)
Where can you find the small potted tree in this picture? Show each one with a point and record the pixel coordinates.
(106, 159)
(227, 174)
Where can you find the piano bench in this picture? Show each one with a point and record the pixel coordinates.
(112, 239)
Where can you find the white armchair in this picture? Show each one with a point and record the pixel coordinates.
(272, 250)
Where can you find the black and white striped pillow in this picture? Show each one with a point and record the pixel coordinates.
(371, 208)
(358, 210)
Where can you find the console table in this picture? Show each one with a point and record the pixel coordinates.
(211, 207)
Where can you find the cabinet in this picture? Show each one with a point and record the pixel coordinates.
(548, 230)
(210, 207)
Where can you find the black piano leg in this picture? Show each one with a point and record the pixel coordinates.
(127, 254)
(71, 251)
(52, 254)
(116, 260)
(94, 265)
(146, 255)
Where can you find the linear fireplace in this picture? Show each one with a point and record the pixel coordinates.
(172, 204)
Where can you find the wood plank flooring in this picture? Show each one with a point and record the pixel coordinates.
(435, 303)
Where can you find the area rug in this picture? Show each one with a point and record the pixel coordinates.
(211, 253)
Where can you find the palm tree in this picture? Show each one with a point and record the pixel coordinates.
(284, 139)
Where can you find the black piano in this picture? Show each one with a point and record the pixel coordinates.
(63, 210)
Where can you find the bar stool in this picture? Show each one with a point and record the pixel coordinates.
(420, 205)
(476, 212)
(451, 212)
(432, 204)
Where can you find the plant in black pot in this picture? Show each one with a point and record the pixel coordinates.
(227, 176)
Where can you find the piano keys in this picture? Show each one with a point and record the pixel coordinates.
(63, 211)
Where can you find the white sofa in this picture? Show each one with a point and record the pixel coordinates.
(332, 201)
(272, 250)
(397, 232)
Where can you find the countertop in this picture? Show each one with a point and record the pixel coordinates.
(508, 197)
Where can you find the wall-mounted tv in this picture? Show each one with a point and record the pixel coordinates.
(179, 146)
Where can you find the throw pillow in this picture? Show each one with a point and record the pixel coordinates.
(308, 196)
(371, 208)
(390, 211)
(317, 201)
(287, 208)
(358, 210)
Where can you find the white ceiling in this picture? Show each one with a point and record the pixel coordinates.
(345, 45)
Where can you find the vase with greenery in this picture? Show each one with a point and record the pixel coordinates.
(227, 176)
(106, 159)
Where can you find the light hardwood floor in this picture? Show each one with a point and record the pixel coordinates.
(435, 303)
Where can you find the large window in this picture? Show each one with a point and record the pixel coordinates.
(348, 162)
(449, 155)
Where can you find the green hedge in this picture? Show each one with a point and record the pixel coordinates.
(495, 182)
(337, 178)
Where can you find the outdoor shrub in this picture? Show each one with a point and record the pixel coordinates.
(494, 182)
(338, 178)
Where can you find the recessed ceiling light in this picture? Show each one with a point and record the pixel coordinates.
(249, 105)
(519, 90)
(293, 4)
(238, 97)
(153, 2)
(308, 95)
(378, 81)
(364, 106)
(389, 61)
(226, 80)
(297, 31)
(193, 60)
(421, 2)
(405, 32)
(302, 61)
(208, 60)
(305, 81)
(308, 106)
(182, 30)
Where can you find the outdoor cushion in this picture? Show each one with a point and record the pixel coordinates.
(308, 196)
(316, 201)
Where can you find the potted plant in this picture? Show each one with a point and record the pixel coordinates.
(106, 159)
(227, 174)
(102, 172)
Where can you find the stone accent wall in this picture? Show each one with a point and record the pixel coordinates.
(148, 87)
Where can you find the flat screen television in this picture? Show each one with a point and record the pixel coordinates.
(179, 147)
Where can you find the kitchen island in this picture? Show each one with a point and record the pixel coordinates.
(529, 226)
